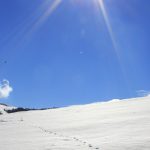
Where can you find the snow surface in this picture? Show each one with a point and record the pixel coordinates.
(114, 125)
(5, 107)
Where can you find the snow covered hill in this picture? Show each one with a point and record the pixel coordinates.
(114, 125)
(4, 108)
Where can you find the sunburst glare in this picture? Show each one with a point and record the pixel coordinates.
(30, 25)
(102, 8)
(107, 22)
(51, 8)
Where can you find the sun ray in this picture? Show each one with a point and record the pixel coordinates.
(113, 40)
(34, 23)
(47, 13)
(25, 31)
(107, 22)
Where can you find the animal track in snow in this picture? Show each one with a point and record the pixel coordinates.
(67, 139)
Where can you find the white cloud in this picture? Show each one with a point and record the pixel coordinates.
(5, 89)
(143, 93)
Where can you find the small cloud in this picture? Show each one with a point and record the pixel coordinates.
(143, 93)
(5, 89)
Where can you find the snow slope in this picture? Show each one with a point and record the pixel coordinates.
(114, 125)
(4, 107)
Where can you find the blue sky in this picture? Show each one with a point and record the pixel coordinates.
(62, 53)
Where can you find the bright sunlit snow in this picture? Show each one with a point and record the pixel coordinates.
(113, 125)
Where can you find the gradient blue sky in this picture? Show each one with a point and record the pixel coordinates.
(69, 57)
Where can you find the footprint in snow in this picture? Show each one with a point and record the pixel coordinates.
(74, 138)
(66, 139)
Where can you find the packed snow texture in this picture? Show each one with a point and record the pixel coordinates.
(114, 125)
